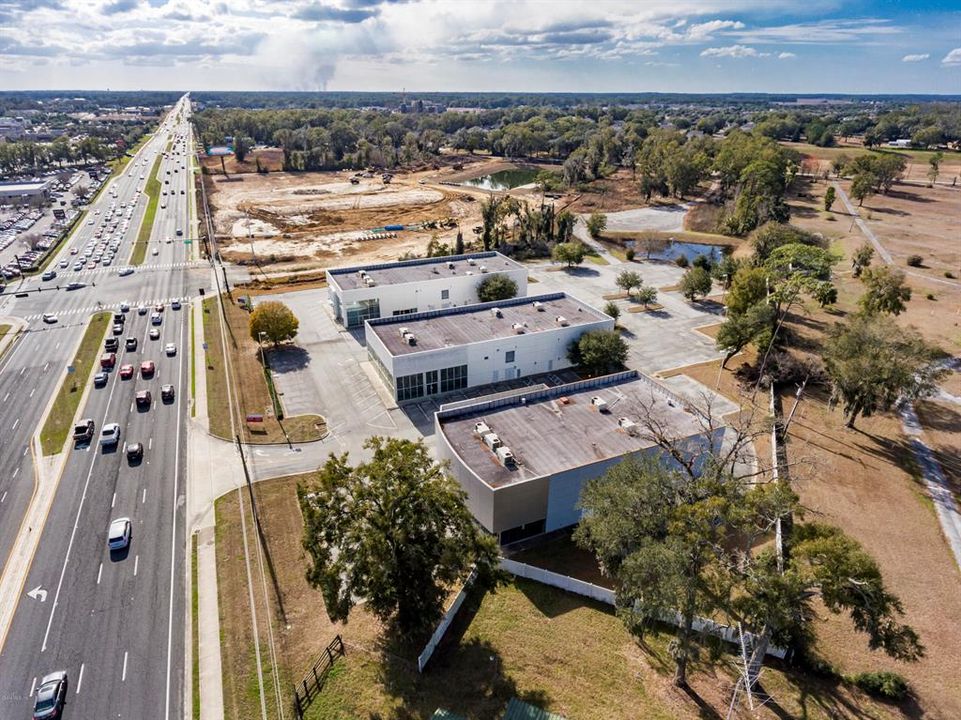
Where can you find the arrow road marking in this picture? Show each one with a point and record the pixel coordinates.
(38, 593)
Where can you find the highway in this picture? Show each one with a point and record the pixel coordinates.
(114, 621)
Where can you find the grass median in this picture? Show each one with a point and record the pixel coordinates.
(194, 630)
(59, 422)
(152, 190)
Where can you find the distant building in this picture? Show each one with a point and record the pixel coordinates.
(12, 128)
(24, 192)
(900, 143)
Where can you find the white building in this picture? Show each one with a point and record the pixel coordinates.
(524, 459)
(24, 192)
(368, 292)
(441, 351)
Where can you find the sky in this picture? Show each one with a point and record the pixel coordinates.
(811, 46)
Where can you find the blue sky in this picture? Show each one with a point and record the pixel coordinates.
(484, 45)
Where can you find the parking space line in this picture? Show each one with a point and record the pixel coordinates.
(80, 679)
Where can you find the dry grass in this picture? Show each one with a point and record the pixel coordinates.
(250, 385)
(918, 165)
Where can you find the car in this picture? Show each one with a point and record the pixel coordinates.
(83, 430)
(180, 232)
(170, 349)
(119, 317)
(74, 250)
(154, 333)
(110, 435)
(49, 275)
(124, 307)
(144, 399)
(134, 452)
(49, 318)
(167, 393)
(100, 379)
(130, 343)
(156, 318)
(125, 271)
(64, 263)
(118, 329)
(108, 360)
(183, 192)
(51, 695)
(175, 305)
(111, 344)
(126, 372)
(141, 309)
(167, 240)
(118, 535)
(155, 251)
(147, 368)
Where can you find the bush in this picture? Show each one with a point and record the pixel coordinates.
(915, 260)
(630, 258)
(930, 296)
(496, 287)
(681, 261)
(949, 275)
(612, 310)
(599, 351)
(887, 685)
(596, 224)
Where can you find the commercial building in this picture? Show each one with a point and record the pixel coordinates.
(441, 351)
(368, 292)
(524, 459)
(24, 192)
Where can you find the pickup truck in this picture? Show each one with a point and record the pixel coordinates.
(83, 431)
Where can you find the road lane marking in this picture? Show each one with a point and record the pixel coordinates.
(21, 370)
(5, 397)
(123, 676)
(45, 367)
(143, 498)
(99, 573)
(136, 564)
(15, 423)
(80, 679)
(150, 444)
(25, 452)
(3, 497)
(15, 472)
(113, 500)
(32, 391)
(33, 686)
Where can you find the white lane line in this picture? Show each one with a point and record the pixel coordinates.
(143, 498)
(99, 573)
(21, 370)
(113, 500)
(80, 679)
(33, 686)
(15, 423)
(136, 564)
(150, 444)
(45, 367)
(57, 346)
(5, 397)
(24, 452)
(3, 497)
(123, 676)
(32, 391)
(16, 472)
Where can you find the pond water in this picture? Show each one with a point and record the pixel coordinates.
(503, 179)
(673, 249)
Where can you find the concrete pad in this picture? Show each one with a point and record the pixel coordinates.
(699, 394)
(665, 218)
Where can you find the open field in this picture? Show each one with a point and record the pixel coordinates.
(152, 190)
(916, 171)
(564, 653)
(60, 421)
(249, 382)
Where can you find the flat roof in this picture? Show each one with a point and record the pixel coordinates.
(9, 187)
(468, 324)
(408, 271)
(559, 429)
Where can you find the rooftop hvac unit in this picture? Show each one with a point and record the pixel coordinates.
(483, 268)
(471, 261)
(492, 441)
(410, 338)
(627, 425)
(450, 266)
(481, 429)
(519, 328)
(505, 455)
(370, 282)
(561, 320)
(404, 331)
(496, 312)
(600, 403)
(362, 273)
(469, 272)
(539, 306)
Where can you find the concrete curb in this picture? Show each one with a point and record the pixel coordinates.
(18, 326)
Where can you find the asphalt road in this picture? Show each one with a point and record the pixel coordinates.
(113, 621)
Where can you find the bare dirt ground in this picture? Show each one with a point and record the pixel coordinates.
(271, 160)
(916, 171)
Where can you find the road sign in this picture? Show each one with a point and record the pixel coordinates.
(71, 369)
(188, 242)
(38, 593)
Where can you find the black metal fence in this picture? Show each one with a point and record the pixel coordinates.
(313, 682)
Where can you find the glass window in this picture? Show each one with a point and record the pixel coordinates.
(408, 311)
(432, 385)
(362, 310)
(453, 378)
(509, 356)
(410, 387)
(445, 294)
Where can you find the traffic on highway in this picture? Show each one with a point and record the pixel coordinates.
(92, 535)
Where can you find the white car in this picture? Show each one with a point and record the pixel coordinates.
(125, 271)
(156, 318)
(110, 435)
(124, 307)
(64, 263)
(170, 349)
(118, 536)
(155, 251)
(49, 318)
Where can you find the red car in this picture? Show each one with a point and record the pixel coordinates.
(126, 372)
(143, 398)
(147, 368)
(108, 360)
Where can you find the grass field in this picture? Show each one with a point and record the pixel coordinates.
(152, 189)
(59, 422)
(253, 394)
(194, 629)
(917, 159)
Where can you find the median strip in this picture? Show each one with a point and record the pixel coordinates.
(60, 420)
(152, 191)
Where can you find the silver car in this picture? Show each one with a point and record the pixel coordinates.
(118, 536)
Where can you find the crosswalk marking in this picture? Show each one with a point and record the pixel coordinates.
(138, 268)
(110, 306)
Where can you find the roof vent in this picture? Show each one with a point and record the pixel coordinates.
(627, 425)
(404, 331)
(600, 403)
(370, 282)
(450, 265)
(471, 261)
(481, 429)
(492, 441)
(561, 320)
(410, 338)
(483, 268)
(519, 328)
(505, 455)
(496, 312)
(539, 306)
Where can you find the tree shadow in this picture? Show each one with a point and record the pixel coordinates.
(890, 211)
(938, 416)
(581, 271)
(553, 603)
(288, 358)
(713, 307)
(902, 194)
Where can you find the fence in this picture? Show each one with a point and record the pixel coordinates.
(313, 682)
(445, 622)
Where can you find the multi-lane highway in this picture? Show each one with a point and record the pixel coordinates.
(113, 620)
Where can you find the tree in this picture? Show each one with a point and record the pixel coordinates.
(241, 146)
(612, 310)
(740, 329)
(935, 162)
(596, 224)
(862, 186)
(275, 320)
(696, 281)
(861, 259)
(885, 290)
(772, 235)
(496, 287)
(393, 532)
(647, 294)
(830, 195)
(872, 363)
(459, 243)
(599, 351)
(571, 253)
(627, 280)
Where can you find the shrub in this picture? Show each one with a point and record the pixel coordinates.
(630, 257)
(915, 260)
(596, 224)
(681, 261)
(930, 296)
(887, 685)
(612, 310)
(949, 275)
(496, 287)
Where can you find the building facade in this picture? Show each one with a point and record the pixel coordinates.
(369, 292)
(31, 191)
(437, 352)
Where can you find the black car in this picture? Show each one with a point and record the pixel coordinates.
(51, 696)
(131, 343)
(111, 344)
(134, 452)
(167, 393)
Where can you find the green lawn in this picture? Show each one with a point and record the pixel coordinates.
(152, 191)
(194, 619)
(59, 422)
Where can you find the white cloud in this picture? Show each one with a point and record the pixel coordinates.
(915, 58)
(786, 56)
(859, 30)
(952, 58)
(733, 51)
(704, 30)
